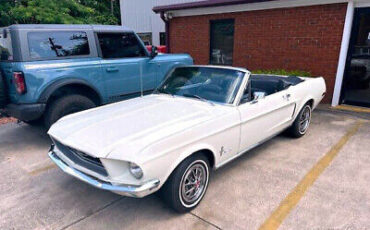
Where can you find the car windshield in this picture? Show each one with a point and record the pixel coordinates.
(211, 84)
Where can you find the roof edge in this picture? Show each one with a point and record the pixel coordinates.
(203, 4)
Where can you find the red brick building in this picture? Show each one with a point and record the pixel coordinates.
(329, 38)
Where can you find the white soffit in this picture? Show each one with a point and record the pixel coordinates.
(362, 3)
(256, 6)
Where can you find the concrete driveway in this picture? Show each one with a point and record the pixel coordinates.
(321, 181)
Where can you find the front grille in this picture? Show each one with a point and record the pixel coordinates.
(82, 159)
(86, 157)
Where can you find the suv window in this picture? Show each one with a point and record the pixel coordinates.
(120, 45)
(6, 51)
(48, 45)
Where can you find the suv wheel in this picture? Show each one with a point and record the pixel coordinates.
(36, 122)
(66, 105)
(187, 184)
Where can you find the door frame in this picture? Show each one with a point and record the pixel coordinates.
(352, 5)
(354, 36)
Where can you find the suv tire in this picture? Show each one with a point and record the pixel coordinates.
(37, 122)
(3, 99)
(66, 105)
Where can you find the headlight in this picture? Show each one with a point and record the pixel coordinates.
(136, 171)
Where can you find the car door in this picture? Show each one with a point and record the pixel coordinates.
(127, 67)
(264, 118)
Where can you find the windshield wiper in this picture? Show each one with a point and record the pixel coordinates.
(198, 97)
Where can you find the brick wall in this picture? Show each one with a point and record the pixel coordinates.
(302, 38)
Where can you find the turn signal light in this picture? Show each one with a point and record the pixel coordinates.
(19, 82)
(135, 170)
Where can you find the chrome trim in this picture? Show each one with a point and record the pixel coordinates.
(126, 190)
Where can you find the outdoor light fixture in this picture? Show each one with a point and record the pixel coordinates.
(168, 16)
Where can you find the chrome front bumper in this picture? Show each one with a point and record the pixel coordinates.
(126, 190)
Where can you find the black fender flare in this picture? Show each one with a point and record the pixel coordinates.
(45, 95)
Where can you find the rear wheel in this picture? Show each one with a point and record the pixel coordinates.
(66, 105)
(3, 99)
(302, 122)
(187, 184)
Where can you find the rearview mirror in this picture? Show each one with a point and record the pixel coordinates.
(154, 52)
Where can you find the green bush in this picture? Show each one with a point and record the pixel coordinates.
(284, 72)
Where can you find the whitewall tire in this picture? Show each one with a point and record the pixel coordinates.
(302, 122)
(188, 184)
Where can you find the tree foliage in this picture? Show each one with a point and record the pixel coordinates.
(59, 12)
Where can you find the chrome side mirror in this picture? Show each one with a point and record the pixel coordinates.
(258, 96)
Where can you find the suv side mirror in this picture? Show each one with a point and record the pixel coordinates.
(154, 52)
(5, 33)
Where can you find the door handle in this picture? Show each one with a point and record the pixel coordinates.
(112, 69)
(287, 96)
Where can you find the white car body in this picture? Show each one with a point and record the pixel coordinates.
(157, 132)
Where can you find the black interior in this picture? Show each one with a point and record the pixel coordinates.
(269, 84)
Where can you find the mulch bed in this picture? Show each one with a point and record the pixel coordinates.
(4, 120)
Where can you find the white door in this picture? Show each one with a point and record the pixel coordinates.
(264, 118)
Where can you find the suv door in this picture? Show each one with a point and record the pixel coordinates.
(124, 60)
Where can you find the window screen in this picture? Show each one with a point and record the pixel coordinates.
(48, 45)
(120, 45)
(222, 42)
(162, 38)
(146, 38)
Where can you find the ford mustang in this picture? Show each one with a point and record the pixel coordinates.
(198, 119)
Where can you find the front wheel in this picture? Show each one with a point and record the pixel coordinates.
(302, 122)
(188, 183)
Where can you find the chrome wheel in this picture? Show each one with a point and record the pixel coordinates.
(194, 183)
(304, 120)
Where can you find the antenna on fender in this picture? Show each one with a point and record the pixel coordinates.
(141, 79)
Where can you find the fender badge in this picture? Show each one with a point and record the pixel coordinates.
(222, 151)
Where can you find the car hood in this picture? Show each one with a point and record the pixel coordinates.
(131, 125)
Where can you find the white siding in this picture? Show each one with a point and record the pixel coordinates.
(138, 15)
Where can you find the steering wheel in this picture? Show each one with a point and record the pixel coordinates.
(180, 81)
(210, 88)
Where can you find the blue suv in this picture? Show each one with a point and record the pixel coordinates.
(48, 71)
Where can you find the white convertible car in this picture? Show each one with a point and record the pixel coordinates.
(199, 118)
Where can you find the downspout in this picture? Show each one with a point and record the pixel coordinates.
(167, 31)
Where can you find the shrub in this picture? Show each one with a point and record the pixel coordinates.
(284, 72)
